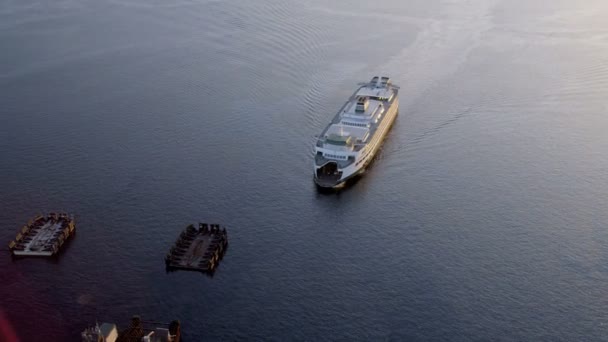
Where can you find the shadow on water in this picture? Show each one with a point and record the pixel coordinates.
(209, 274)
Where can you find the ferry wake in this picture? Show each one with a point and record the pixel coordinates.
(350, 142)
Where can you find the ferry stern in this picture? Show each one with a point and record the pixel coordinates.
(329, 176)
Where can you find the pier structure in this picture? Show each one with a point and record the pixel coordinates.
(198, 249)
(138, 331)
(43, 235)
(106, 332)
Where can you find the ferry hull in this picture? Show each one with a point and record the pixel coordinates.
(349, 177)
(340, 184)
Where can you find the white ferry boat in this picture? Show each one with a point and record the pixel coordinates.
(348, 144)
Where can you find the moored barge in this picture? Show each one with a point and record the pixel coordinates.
(44, 235)
(198, 249)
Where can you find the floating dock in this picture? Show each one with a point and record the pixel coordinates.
(198, 249)
(43, 235)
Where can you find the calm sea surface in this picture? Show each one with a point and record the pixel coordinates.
(485, 216)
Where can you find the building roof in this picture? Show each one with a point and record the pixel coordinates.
(108, 331)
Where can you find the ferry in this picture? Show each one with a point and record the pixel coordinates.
(352, 139)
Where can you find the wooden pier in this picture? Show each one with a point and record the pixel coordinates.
(43, 235)
(198, 249)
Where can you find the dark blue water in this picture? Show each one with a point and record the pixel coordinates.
(483, 218)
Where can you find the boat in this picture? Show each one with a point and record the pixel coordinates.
(352, 139)
(43, 235)
(198, 249)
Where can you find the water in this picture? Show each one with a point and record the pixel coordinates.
(484, 217)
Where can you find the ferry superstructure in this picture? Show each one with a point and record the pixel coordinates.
(350, 142)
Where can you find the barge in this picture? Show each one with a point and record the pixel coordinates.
(43, 235)
(198, 249)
